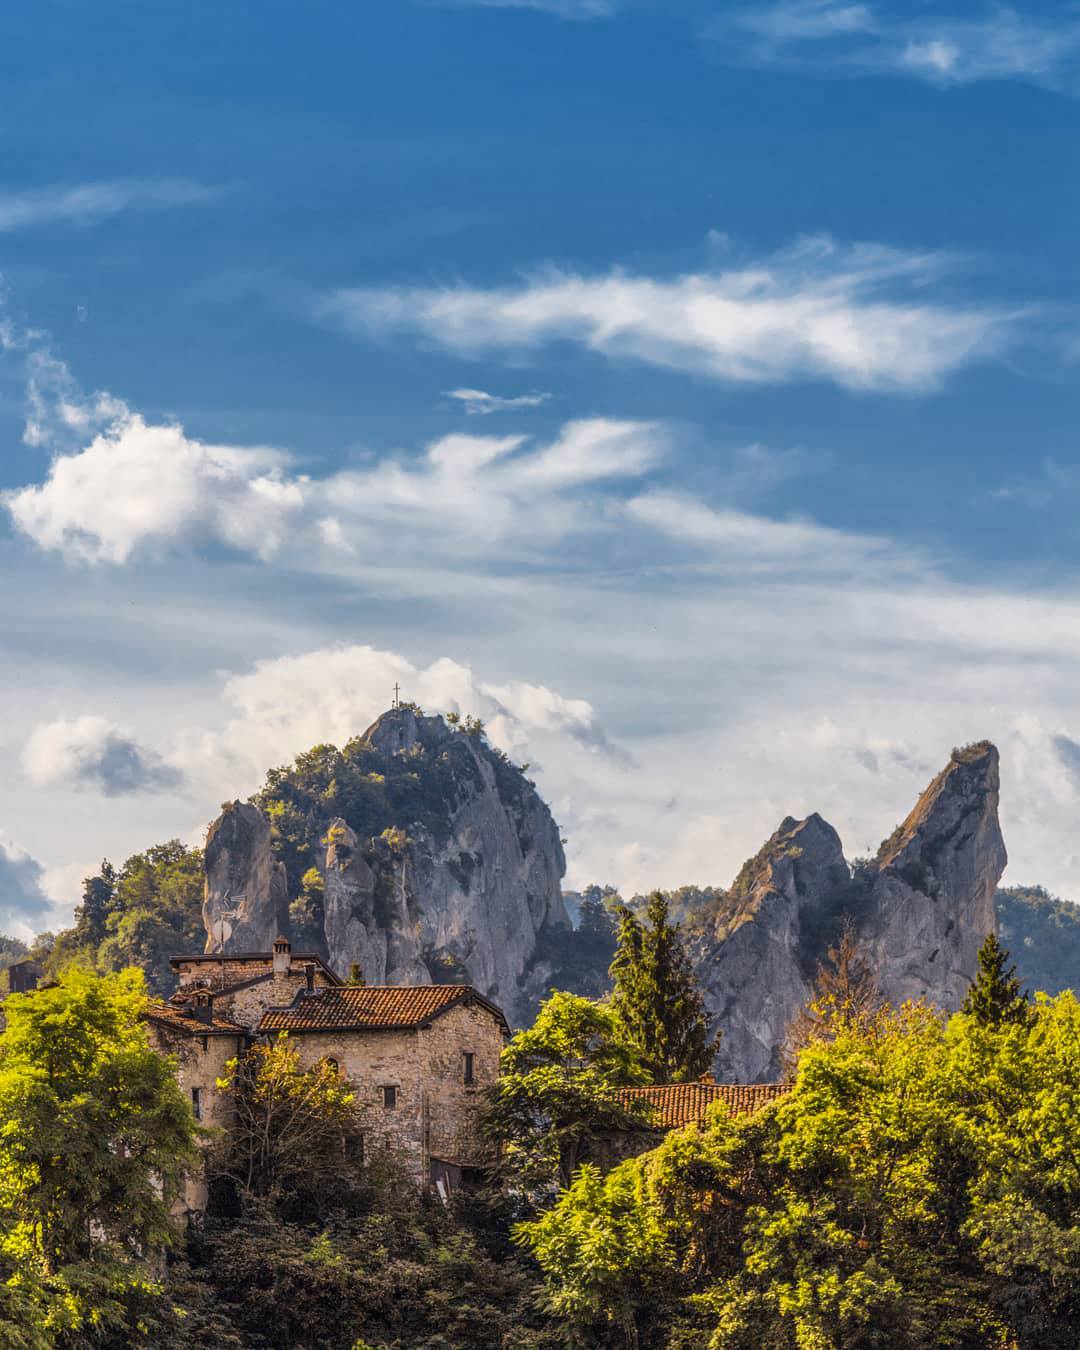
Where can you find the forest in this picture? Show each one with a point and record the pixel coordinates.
(918, 1185)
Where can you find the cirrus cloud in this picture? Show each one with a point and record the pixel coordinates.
(854, 316)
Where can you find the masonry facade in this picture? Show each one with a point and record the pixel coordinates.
(418, 1056)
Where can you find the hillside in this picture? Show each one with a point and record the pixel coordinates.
(1043, 934)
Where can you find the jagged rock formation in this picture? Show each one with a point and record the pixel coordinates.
(921, 910)
(417, 853)
(245, 904)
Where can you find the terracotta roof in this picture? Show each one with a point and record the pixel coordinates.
(372, 1007)
(678, 1104)
(176, 1018)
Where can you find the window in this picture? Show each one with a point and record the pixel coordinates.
(468, 1057)
(389, 1097)
(196, 1103)
(332, 1064)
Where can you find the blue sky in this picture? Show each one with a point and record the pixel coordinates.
(690, 389)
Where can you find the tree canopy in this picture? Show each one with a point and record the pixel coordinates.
(656, 999)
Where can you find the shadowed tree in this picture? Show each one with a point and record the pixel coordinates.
(656, 999)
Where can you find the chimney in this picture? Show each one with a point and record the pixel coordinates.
(282, 956)
(204, 1006)
(309, 976)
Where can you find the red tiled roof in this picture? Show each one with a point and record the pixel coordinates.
(678, 1104)
(174, 1016)
(372, 1007)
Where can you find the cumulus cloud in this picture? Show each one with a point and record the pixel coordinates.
(477, 403)
(856, 316)
(137, 484)
(87, 203)
(287, 704)
(91, 754)
(142, 486)
(23, 901)
(845, 38)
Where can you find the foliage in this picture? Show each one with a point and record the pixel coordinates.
(94, 1139)
(1043, 933)
(656, 999)
(295, 1141)
(995, 997)
(141, 915)
(919, 1187)
(845, 993)
(557, 1098)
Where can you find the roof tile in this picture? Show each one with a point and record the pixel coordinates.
(679, 1104)
(371, 1007)
(175, 1016)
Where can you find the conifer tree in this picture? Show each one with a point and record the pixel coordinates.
(995, 998)
(656, 997)
(845, 995)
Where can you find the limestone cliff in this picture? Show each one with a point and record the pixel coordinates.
(417, 852)
(921, 909)
(245, 904)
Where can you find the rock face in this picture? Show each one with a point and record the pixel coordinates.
(447, 870)
(921, 911)
(245, 904)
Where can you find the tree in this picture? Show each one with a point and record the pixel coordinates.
(95, 1136)
(656, 999)
(917, 1188)
(94, 1132)
(295, 1140)
(995, 998)
(845, 991)
(558, 1096)
(97, 897)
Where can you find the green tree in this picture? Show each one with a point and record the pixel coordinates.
(995, 996)
(557, 1097)
(97, 898)
(94, 1139)
(656, 999)
(295, 1138)
(845, 992)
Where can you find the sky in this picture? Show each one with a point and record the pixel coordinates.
(688, 389)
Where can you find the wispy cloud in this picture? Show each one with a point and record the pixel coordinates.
(87, 203)
(92, 754)
(857, 316)
(477, 403)
(832, 35)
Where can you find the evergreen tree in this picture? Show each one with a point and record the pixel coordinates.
(995, 998)
(656, 998)
(97, 899)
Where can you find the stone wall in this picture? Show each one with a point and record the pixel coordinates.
(435, 1111)
(200, 1063)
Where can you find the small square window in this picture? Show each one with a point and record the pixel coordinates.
(469, 1073)
(389, 1097)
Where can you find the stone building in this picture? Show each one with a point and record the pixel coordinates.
(417, 1055)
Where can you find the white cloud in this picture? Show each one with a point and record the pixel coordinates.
(92, 754)
(477, 403)
(753, 543)
(857, 316)
(139, 485)
(23, 902)
(287, 704)
(999, 44)
(87, 203)
(144, 487)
